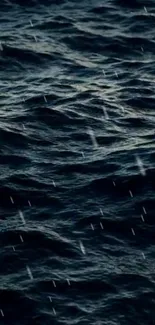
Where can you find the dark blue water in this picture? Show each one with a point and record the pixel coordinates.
(77, 153)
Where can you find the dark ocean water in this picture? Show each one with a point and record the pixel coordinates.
(77, 152)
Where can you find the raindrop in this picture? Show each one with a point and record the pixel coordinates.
(54, 283)
(145, 9)
(141, 166)
(2, 313)
(130, 193)
(22, 217)
(35, 38)
(82, 248)
(142, 218)
(144, 210)
(83, 155)
(45, 99)
(101, 225)
(93, 139)
(105, 113)
(54, 312)
(92, 226)
(29, 272)
(1, 47)
(12, 201)
(21, 238)
(133, 232)
(54, 184)
(31, 23)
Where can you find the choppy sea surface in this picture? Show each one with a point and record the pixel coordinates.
(77, 162)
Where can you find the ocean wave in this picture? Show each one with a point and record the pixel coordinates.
(77, 162)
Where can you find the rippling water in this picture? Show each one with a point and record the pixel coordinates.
(77, 144)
